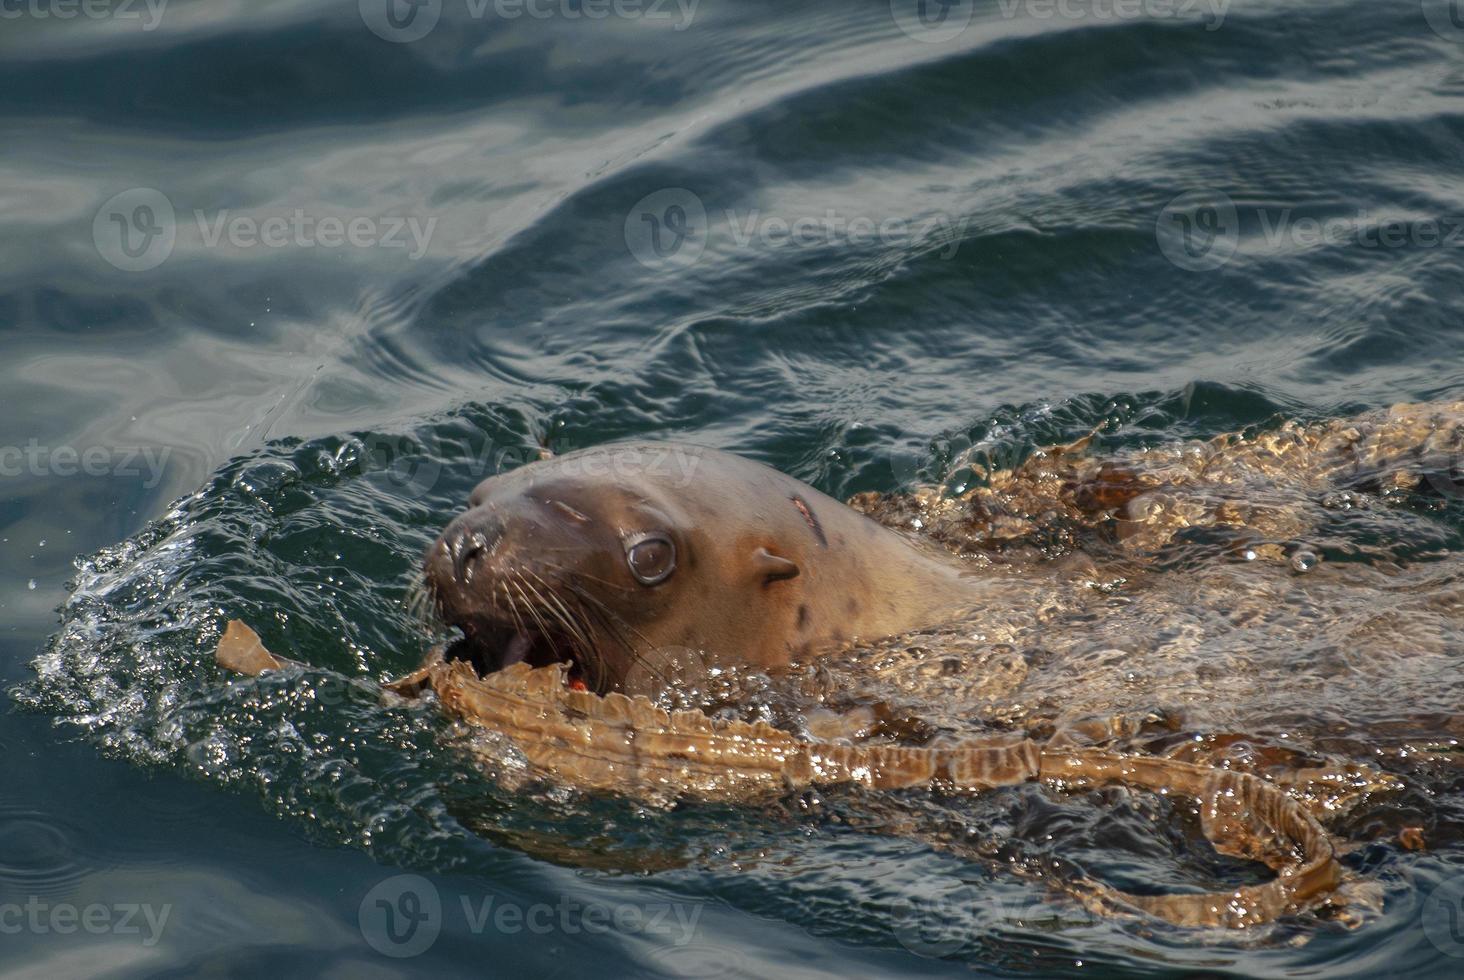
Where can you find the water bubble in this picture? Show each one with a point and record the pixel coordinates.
(266, 478)
(1304, 561)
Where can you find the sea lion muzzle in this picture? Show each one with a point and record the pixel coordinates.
(467, 540)
(510, 608)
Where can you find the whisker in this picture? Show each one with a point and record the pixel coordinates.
(510, 605)
(531, 608)
(561, 614)
(555, 566)
(636, 656)
(574, 621)
(421, 605)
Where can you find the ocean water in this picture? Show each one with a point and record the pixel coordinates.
(280, 280)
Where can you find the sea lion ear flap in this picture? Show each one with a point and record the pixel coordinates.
(773, 568)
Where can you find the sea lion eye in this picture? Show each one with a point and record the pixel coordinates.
(651, 557)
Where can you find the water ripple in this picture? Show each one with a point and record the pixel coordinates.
(42, 853)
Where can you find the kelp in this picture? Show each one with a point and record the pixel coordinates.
(630, 746)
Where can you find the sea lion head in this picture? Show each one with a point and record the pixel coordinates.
(619, 560)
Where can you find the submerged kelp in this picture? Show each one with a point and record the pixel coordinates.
(630, 746)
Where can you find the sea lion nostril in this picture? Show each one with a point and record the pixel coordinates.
(466, 550)
(468, 547)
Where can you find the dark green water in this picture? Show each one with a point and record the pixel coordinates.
(280, 281)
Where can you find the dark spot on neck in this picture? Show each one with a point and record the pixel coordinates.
(803, 617)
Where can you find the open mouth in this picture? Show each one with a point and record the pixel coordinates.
(492, 645)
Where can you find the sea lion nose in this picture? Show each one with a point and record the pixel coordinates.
(469, 539)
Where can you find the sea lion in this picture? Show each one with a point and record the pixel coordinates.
(617, 559)
(583, 571)
(633, 562)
